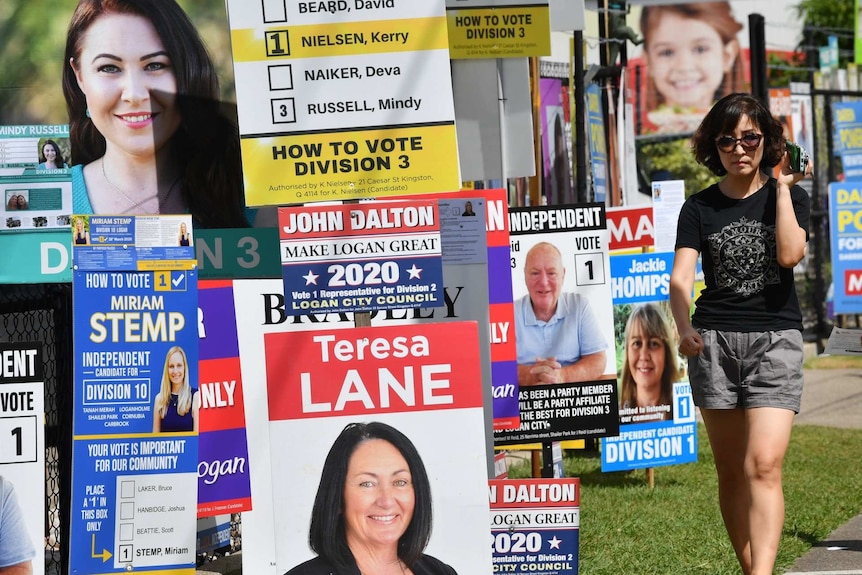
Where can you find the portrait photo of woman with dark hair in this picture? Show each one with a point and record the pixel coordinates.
(146, 131)
(372, 512)
(51, 156)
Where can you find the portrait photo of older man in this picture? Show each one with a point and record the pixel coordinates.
(558, 338)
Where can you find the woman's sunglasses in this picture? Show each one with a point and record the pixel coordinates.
(728, 143)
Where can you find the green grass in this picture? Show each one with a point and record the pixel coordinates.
(676, 528)
(833, 362)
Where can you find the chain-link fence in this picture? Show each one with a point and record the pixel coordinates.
(43, 313)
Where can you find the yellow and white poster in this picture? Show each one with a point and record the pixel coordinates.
(336, 97)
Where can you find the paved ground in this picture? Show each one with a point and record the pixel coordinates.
(831, 397)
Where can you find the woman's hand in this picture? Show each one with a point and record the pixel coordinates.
(690, 342)
(788, 177)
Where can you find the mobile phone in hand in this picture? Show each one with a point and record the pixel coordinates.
(798, 157)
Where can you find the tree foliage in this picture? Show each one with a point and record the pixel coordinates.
(675, 157)
(32, 42)
(825, 18)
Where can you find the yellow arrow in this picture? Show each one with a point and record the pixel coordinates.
(105, 554)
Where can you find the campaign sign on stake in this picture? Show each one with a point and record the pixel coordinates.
(564, 325)
(361, 257)
(535, 525)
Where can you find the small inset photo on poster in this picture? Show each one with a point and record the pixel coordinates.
(17, 199)
(54, 154)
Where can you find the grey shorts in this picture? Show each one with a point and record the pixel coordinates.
(748, 369)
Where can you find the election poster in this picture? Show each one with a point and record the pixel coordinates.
(848, 123)
(687, 55)
(223, 477)
(499, 28)
(667, 199)
(845, 235)
(641, 277)
(135, 419)
(504, 369)
(330, 106)
(535, 525)
(563, 323)
(631, 228)
(22, 455)
(656, 410)
(361, 257)
(657, 425)
(259, 306)
(598, 144)
(35, 186)
(421, 380)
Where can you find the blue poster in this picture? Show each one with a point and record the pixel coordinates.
(598, 143)
(134, 486)
(848, 137)
(361, 257)
(641, 277)
(845, 235)
(645, 441)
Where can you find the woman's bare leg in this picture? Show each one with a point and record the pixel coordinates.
(768, 437)
(727, 437)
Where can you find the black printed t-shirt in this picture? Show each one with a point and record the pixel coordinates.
(746, 290)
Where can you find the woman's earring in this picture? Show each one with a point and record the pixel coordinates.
(87, 113)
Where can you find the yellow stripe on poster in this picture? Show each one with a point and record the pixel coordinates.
(505, 32)
(349, 165)
(156, 265)
(339, 39)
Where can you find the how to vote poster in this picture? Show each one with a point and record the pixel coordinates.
(361, 257)
(22, 453)
(135, 419)
(330, 105)
(563, 323)
(535, 525)
(499, 29)
(424, 381)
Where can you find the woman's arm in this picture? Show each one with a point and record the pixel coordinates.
(790, 242)
(681, 285)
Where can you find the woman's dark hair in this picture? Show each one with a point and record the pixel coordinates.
(327, 536)
(716, 14)
(59, 161)
(724, 117)
(654, 323)
(206, 145)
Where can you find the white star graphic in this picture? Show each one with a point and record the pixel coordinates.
(311, 278)
(555, 543)
(415, 273)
